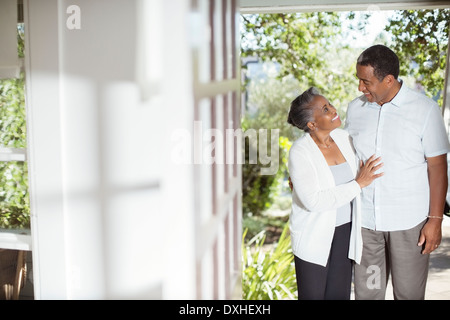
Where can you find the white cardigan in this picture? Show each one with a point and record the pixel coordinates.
(316, 197)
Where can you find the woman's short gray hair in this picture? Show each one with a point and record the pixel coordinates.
(301, 112)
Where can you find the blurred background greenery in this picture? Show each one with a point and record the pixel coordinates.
(14, 200)
(285, 54)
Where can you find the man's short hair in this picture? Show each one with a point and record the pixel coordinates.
(383, 60)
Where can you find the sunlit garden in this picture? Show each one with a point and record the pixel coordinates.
(283, 55)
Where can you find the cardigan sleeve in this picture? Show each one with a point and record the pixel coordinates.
(307, 187)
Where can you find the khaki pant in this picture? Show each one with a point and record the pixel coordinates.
(395, 253)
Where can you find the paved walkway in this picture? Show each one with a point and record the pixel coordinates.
(438, 285)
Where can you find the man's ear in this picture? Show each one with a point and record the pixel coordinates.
(389, 80)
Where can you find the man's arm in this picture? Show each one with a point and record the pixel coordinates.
(431, 233)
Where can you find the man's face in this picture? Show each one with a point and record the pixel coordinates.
(374, 89)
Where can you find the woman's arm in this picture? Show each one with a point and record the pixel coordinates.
(314, 198)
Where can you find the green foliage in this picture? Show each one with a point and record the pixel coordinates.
(286, 38)
(259, 190)
(272, 226)
(12, 113)
(308, 48)
(420, 39)
(14, 201)
(269, 100)
(268, 275)
(295, 43)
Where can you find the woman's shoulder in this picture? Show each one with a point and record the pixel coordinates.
(301, 147)
(301, 142)
(300, 151)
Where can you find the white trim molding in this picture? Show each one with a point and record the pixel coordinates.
(285, 6)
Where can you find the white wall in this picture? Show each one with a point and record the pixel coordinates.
(111, 214)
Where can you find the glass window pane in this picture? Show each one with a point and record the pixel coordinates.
(12, 113)
(14, 200)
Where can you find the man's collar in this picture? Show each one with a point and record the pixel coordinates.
(397, 100)
(401, 94)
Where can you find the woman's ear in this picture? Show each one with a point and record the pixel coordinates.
(311, 126)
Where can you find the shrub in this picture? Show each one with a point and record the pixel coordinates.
(268, 275)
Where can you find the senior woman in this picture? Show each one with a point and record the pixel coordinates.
(327, 180)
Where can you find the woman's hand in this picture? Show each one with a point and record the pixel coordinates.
(367, 171)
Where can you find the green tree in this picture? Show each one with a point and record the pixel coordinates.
(305, 45)
(296, 44)
(293, 40)
(14, 200)
(420, 39)
(268, 106)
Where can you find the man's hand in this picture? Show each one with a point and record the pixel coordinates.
(431, 235)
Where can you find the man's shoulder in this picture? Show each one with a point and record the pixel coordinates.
(358, 101)
(419, 99)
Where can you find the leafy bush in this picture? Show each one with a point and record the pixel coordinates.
(272, 226)
(421, 40)
(258, 190)
(14, 201)
(268, 275)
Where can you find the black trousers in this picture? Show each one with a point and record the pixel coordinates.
(332, 282)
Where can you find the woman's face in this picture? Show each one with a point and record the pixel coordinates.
(325, 115)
